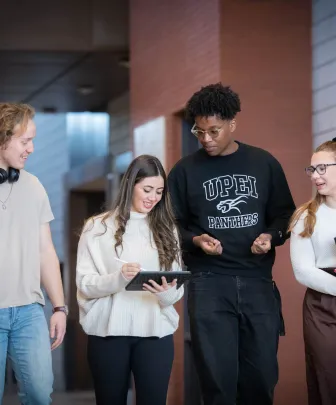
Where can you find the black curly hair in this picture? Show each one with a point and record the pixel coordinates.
(213, 100)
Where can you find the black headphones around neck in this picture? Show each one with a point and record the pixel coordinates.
(12, 175)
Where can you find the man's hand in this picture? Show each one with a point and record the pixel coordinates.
(208, 244)
(52, 282)
(262, 244)
(57, 328)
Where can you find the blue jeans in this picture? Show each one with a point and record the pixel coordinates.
(24, 336)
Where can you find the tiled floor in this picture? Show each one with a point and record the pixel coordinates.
(78, 398)
(84, 398)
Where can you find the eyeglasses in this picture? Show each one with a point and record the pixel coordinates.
(200, 133)
(321, 169)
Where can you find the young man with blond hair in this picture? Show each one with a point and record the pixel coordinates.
(27, 260)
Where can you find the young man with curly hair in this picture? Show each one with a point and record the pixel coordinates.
(233, 204)
(27, 259)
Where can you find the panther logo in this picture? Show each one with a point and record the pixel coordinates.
(228, 205)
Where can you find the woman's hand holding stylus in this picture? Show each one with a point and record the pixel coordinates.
(130, 270)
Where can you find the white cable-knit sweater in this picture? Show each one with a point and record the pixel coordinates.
(105, 307)
(309, 255)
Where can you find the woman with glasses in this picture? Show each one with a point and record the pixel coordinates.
(313, 256)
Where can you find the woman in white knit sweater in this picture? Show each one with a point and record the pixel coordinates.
(313, 255)
(130, 331)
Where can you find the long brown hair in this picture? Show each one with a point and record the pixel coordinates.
(312, 205)
(160, 218)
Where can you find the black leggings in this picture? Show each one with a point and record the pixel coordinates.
(112, 359)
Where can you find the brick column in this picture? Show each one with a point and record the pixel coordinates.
(266, 57)
(262, 49)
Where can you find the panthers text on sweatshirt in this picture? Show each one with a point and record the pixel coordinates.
(233, 198)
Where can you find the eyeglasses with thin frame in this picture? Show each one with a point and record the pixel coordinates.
(321, 169)
(200, 133)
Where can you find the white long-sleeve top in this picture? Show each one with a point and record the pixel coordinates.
(105, 307)
(309, 255)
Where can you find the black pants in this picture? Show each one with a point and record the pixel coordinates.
(235, 324)
(112, 359)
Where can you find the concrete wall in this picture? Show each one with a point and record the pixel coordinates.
(324, 70)
(49, 162)
(119, 111)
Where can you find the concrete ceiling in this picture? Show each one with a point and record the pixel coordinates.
(62, 56)
(62, 81)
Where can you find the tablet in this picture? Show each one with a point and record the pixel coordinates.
(136, 284)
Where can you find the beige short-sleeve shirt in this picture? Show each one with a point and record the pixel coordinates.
(27, 208)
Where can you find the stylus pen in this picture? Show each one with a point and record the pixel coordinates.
(123, 261)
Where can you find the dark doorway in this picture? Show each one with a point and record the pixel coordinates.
(81, 206)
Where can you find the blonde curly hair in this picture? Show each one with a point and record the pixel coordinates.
(11, 116)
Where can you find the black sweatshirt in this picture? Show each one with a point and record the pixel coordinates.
(234, 199)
